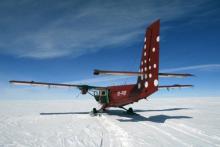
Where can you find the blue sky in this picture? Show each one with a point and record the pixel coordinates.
(63, 41)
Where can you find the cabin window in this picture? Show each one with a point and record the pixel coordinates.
(96, 93)
(103, 93)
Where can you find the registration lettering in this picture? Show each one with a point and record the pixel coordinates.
(121, 93)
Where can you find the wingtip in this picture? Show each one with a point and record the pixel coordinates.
(192, 75)
(96, 72)
(11, 81)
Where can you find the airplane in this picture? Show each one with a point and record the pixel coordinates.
(122, 95)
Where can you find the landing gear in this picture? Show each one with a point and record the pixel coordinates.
(94, 111)
(129, 110)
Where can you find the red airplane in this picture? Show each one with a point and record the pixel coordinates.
(122, 95)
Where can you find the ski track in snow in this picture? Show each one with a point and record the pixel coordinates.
(117, 134)
(165, 133)
(197, 134)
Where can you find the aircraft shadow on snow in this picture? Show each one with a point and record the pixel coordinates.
(134, 117)
(161, 118)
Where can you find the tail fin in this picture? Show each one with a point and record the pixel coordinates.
(150, 59)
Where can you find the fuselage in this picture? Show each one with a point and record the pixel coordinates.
(116, 96)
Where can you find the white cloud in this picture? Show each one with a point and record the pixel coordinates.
(56, 29)
(203, 67)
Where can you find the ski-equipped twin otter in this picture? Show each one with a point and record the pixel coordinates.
(121, 95)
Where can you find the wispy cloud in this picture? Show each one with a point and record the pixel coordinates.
(49, 29)
(204, 67)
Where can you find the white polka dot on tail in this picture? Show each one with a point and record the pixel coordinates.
(150, 75)
(153, 49)
(146, 84)
(155, 82)
(158, 38)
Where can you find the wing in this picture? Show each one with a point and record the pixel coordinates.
(127, 73)
(33, 83)
(84, 88)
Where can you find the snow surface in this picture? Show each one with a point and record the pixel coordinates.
(158, 122)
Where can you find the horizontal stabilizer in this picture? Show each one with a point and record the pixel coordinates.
(117, 73)
(175, 75)
(175, 86)
(127, 73)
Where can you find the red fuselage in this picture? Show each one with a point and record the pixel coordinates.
(127, 94)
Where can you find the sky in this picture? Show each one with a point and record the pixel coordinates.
(64, 41)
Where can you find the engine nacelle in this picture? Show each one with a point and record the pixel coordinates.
(84, 90)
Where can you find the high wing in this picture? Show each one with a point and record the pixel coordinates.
(84, 88)
(127, 73)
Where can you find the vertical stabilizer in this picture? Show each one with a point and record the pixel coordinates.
(149, 66)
